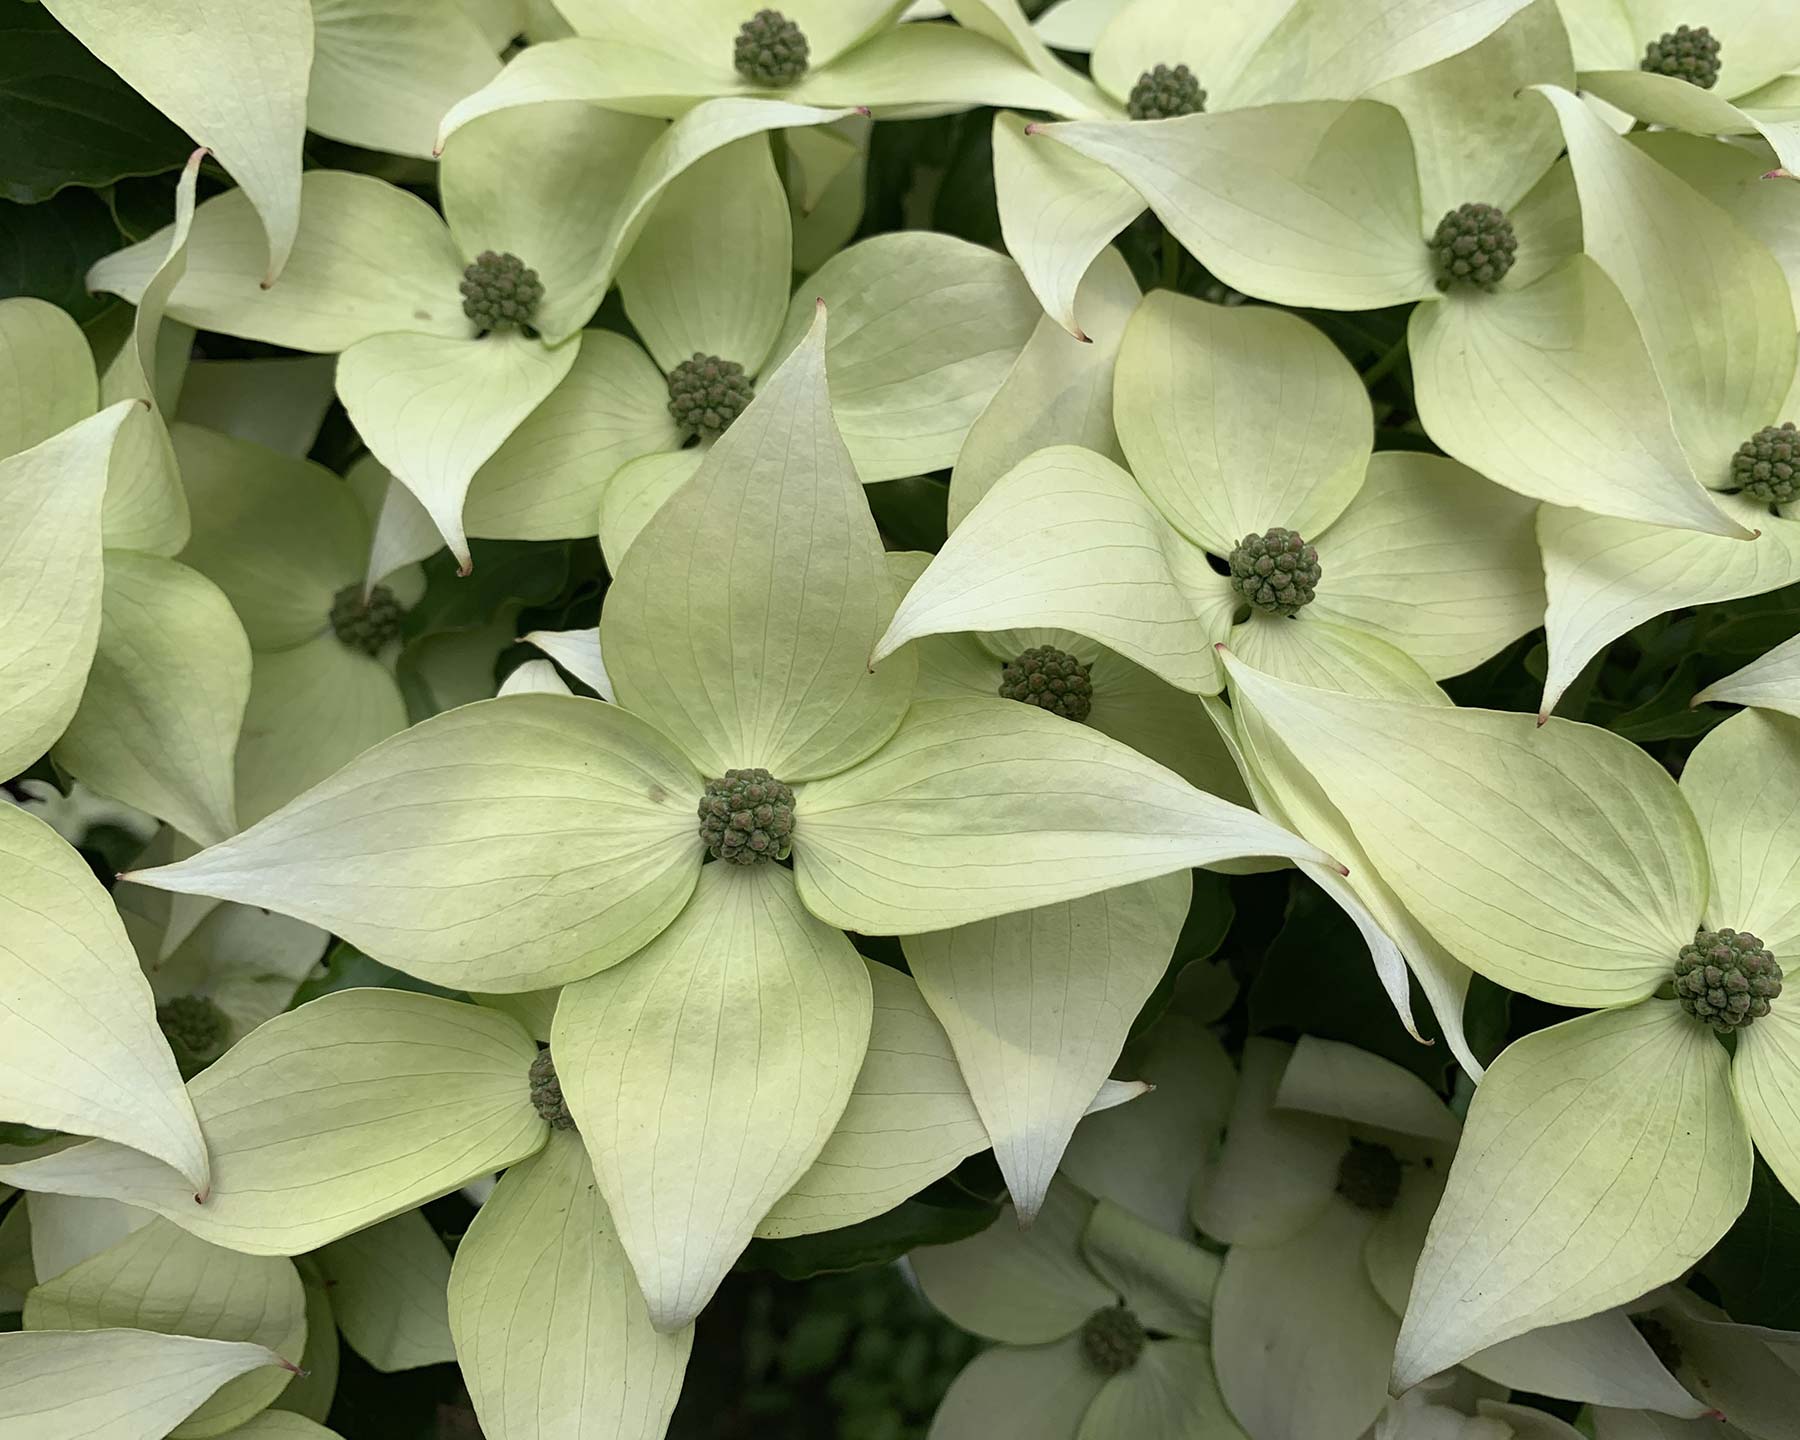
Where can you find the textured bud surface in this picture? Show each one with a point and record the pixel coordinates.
(1165, 92)
(706, 394)
(1369, 1176)
(1473, 245)
(546, 1093)
(1726, 978)
(1112, 1339)
(770, 51)
(366, 626)
(196, 1029)
(1767, 465)
(1687, 54)
(747, 816)
(1275, 571)
(1050, 679)
(500, 290)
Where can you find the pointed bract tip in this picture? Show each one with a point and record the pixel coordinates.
(291, 1367)
(1543, 719)
(1032, 128)
(818, 305)
(1026, 1218)
(202, 1196)
(1779, 174)
(200, 152)
(1082, 335)
(1341, 868)
(863, 110)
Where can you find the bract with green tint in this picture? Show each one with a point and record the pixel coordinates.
(1563, 862)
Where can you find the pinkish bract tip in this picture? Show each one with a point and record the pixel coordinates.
(1032, 128)
(1543, 719)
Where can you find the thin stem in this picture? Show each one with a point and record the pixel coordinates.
(1171, 258)
(1387, 362)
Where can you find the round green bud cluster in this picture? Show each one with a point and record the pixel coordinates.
(547, 1094)
(1726, 978)
(771, 51)
(1112, 1339)
(1369, 1176)
(500, 290)
(1767, 465)
(1661, 1340)
(1473, 245)
(706, 394)
(1690, 55)
(1050, 679)
(1275, 571)
(197, 1031)
(1165, 92)
(747, 816)
(366, 625)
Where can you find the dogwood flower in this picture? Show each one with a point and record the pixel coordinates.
(550, 838)
(1604, 1155)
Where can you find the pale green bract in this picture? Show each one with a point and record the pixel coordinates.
(1452, 806)
(773, 672)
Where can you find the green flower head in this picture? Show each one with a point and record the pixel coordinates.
(1112, 1340)
(1051, 679)
(1726, 978)
(1164, 92)
(197, 1031)
(1473, 245)
(771, 51)
(1369, 1176)
(747, 816)
(500, 290)
(366, 625)
(547, 1093)
(1690, 54)
(1767, 465)
(706, 394)
(1275, 571)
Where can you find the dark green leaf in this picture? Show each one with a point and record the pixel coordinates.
(913, 513)
(873, 1242)
(67, 119)
(45, 250)
(1757, 1265)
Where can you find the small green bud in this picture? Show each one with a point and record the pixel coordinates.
(547, 1095)
(1767, 465)
(1275, 571)
(747, 816)
(500, 290)
(1165, 92)
(706, 394)
(1726, 978)
(1473, 245)
(771, 51)
(197, 1031)
(1661, 1340)
(1112, 1339)
(1050, 679)
(1369, 1176)
(368, 626)
(1690, 55)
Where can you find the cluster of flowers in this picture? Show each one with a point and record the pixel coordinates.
(1187, 616)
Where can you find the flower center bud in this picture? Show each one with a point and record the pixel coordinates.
(771, 51)
(706, 394)
(1661, 1341)
(1473, 247)
(366, 625)
(1767, 465)
(500, 290)
(1726, 978)
(547, 1095)
(1112, 1339)
(1275, 571)
(196, 1029)
(1050, 679)
(1687, 54)
(747, 816)
(1369, 1176)
(1164, 92)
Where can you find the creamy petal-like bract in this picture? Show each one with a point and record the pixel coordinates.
(82, 1051)
(387, 1292)
(1771, 681)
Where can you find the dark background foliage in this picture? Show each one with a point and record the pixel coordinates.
(821, 1337)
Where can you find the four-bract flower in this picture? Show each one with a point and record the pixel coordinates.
(541, 839)
(657, 58)
(1717, 384)
(376, 73)
(453, 330)
(1257, 160)
(1333, 1163)
(1605, 1155)
(1714, 70)
(1249, 438)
